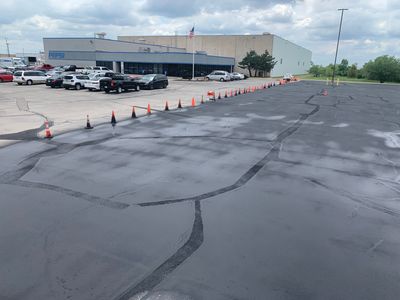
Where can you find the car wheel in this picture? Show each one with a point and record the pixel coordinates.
(19, 83)
(29, 82)
(221, 79)
(67, 87)
(1, 79)
(164, 86)
(151, 86)
(119, 90)
(52, 86)
(107, 91)
(78, 86)
(90, 90)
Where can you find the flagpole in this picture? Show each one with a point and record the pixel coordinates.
(193, 57)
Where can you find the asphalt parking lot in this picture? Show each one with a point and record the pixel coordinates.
(283, 193)
(23, 109)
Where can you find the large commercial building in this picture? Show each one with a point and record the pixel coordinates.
(291, 58)
(130, 57)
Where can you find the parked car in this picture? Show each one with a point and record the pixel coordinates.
(29, 77)
(6, 76)
(75, 81)
(237, 76)
(93, 69)
(153, 81)
(288, 77)
(69, 68)
(119, 83)
(55, 80)
(93, 84)
(219, 75)
(44, 68)
(53, 72)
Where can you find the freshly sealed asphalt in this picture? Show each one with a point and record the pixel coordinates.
(283, 193)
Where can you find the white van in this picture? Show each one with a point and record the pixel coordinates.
(219, 75)
(29, 77)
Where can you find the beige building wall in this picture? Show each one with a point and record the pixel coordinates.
(220, 45)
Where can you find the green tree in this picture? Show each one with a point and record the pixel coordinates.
(343, 67)
(352, 71)
(250, 61)
(328, 70)
(316, 70)
(266, 62)
(383, 68)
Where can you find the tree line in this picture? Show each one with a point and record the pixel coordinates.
(383, 68)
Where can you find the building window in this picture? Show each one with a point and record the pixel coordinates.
(107, 64)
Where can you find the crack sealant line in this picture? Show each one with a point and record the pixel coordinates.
(184, 252)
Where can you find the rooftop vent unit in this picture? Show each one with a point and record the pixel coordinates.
(100, 35)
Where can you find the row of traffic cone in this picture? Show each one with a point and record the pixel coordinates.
(210, 94)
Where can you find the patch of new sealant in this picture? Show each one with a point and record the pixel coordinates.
(392, 138)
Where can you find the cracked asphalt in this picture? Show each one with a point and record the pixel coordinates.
(283, 193)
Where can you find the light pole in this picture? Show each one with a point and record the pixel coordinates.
(8, 47)
(337, 45)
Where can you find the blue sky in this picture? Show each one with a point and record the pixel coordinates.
(370, 28)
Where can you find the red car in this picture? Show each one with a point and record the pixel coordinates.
(6, 76)
(44, 68)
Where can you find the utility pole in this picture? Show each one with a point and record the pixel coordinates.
(8, 48)
(337, 45)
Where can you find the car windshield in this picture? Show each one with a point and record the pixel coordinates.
(93, 76)
(149, 77)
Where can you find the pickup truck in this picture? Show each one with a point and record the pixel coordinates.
(119, 83)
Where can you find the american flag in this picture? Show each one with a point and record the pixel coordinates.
(191, 33)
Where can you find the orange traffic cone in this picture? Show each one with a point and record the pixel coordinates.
(113, 120)
(226, 94)
(179, 104)
(148, 109)
(193, 102)
(219, 95)
(88, 126)
(133, 113)
(231, 93)
(166, 106)
(48, 134)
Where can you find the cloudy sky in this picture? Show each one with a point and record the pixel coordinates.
(370, 28)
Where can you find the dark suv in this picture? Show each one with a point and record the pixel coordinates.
(55, 81)
(153, 81)
(118, 83)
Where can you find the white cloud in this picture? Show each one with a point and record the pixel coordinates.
(370, 28)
